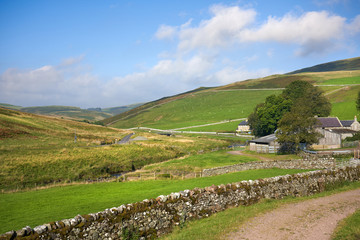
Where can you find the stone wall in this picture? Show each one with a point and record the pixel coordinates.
(154, 217)
(315, 163)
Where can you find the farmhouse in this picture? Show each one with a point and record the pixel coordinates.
(334, 131)
(243, 126)
(266, 144)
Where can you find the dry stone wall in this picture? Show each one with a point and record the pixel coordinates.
(151, 218)
(321, 163)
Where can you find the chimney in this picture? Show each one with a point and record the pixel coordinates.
(355, 119)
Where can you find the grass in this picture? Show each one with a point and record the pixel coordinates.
(340, 81)
(222, 127)
(349, 228)
(201, 161)
(38, 150)
(199, 108)
(219, 225)
(37, 207)
(343, 102)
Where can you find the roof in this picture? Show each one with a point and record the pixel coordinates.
(266, 139)
(347, 123)
(329, 122)
(243, 123)
(343, 131)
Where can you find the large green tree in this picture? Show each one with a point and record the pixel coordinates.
(266, 116)
(311, 96)
(264, 120)
(296, 129)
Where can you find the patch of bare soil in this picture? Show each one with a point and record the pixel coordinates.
(311, 219)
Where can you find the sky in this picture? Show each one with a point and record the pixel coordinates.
(109, 53)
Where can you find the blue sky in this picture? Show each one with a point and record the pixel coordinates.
(111, 53)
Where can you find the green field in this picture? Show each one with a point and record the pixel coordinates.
(201, 161)
(38, 150)
(38, 207)
(340, 81)
(222, 127)
(199, 108)
(343, 102)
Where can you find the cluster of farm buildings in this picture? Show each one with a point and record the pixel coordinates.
(333, 132)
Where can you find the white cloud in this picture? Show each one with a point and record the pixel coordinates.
(311, 32)
(354, 26)
(217, 31)
(64, 84)
(229, 75)
(166, 32)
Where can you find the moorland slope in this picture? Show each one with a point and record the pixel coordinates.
(237, 100)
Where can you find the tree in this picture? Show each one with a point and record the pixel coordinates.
(264, 120)
(297, 128)
(309, 95)
(358, 102)
(266, 116)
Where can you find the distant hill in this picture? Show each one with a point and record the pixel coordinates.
(75, 113)
(237, 100)
(10, 106)
(117, 110)
(341, 65)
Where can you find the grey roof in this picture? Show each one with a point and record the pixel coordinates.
(328, 122)
(343, 131)
(243, 123)
(347, 123)
(266, 139)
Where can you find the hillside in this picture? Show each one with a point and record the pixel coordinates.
(38, 150)
(237, 100)
(340, 65)
(74, 113)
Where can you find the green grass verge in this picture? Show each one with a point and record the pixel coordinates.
(219, 225)
(349, 228)
(37, 207)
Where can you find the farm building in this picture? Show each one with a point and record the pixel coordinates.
(243, 126)
(334, 131)
(266, 144)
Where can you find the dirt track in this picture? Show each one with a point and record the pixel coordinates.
(311, 219)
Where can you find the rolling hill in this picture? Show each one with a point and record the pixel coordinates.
(237, 100)
(74, 113)
(340, 65)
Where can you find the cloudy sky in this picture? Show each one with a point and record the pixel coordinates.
(107, 53)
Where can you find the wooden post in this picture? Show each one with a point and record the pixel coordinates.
(154, 175)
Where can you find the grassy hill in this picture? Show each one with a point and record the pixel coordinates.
(74, 113)
(39, 150)
(237, 100)
(341, 65)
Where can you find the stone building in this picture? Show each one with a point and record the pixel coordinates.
(243, 126)
(266, 144)
(334, 131)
